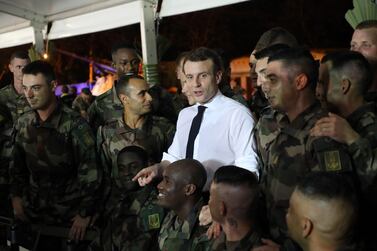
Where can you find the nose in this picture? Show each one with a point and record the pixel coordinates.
(148, 97)
(355, 48)
(28, 93)
(265, 86)
(159, 186)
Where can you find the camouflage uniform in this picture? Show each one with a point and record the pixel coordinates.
(13, 106)
(287, 152)
(364, 156)
(184, 236)
(54, 166)
(105, 107)
(258, 103)
(5, 127)
(133, 218)
(79, 104)
(364, 150)
(251, 240)
(17, 104)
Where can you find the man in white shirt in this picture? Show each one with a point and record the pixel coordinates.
(225, 133)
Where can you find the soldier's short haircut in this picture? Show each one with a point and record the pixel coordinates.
(326, 186)
(122, 45)
(300, 60)
(140, 152)
(193, 171)
(367, 24)
(244, 179)
(40, 67)
(203, 54)
(235, 176)
(269, 51)
(352, 65)
(121, 86)
(20, 55)
(276, 35)
(181, 57)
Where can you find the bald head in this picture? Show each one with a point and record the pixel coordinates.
(182, 184)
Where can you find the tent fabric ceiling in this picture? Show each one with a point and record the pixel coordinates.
(76, 17)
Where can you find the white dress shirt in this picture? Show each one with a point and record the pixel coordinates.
(225, 136)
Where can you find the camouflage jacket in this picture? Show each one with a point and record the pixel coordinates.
(251, 240)
(185, 235)
(79, 104)
(105, 107)
(54, 167)
(364, 150)
(133, 220)
(5, 140)
(287, 152)
(17, 104)
(155, 137)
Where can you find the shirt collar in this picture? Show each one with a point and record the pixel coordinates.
(213, 102)
(52, 121)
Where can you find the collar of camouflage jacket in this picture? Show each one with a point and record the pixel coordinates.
(52, 121)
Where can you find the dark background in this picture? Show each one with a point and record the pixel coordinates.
(234, 28)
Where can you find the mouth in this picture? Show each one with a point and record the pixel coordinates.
(197, 93)
(161, 196)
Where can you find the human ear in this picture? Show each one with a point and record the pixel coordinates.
(123, 98)
(307, 227)
(346, 85)
(218, 76)
(301, 81)
(190, 189)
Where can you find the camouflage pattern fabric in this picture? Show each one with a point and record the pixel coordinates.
(17, 104)
(364, 150)
(364, 156)
(185, 235)
(130, 208)
(79, 104)
(287, 153)
(258, 104)
(5, 140)
(54, 166)
(105, 107)
(251, 240)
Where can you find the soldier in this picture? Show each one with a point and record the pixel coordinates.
(323, 213)
(54, 175)
(135, 127)
(233, 203)
(364, 40)
(107, 106)
(181, 192)
(352, 121)
(12, 95)
(286, 149)
(276, 35)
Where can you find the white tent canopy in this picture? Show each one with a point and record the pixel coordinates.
(24, 22)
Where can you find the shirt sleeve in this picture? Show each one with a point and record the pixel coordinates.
(243, 141)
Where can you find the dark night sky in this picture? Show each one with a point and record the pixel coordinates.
(235, 28)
